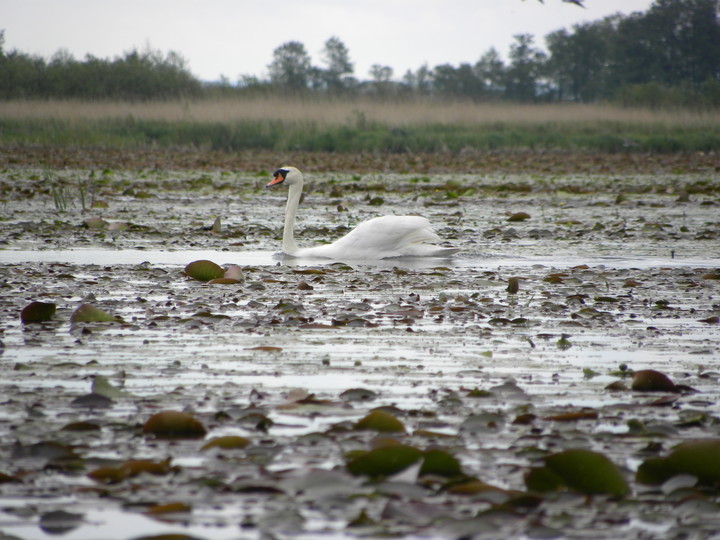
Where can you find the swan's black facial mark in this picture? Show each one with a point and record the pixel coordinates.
(278, 177)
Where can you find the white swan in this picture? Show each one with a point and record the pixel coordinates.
(377, 238)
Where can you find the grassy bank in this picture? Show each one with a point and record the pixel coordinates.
(356, 126)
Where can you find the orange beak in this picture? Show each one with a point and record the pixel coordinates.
(278, 179)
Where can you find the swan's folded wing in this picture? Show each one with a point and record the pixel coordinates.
(384, 237)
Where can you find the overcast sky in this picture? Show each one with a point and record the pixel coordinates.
(237, 37)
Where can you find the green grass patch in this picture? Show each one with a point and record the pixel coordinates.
(305, 135)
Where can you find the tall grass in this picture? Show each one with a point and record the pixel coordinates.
(357, 125)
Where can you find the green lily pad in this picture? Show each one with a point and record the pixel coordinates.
(380, 421)
(440, 463)
(204, 270)
(698, 458)
(37, 312)
(581, 470)
(384, 461)
(90, 313)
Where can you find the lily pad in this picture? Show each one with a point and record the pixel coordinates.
(649, 380)
(204, 270)
(697, 458)
(385, 461)
(519, 216)
(90, 313)
(581, 470)
(169, 508)
(440, 463)
(37, 312)
(228, 442)
(130, 469)
(174, 425)
(380, 421)
(95, 223)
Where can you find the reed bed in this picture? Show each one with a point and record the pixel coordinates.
(335, 112)
(357, 125)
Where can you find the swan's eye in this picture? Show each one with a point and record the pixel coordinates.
(280, 172)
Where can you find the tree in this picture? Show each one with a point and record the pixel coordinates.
(526, 64)
(290, 68)
(579, 60)
(418, 82)
(339, 67)
(381, 79)
(490, 70)
(674, 41)
(460, 82)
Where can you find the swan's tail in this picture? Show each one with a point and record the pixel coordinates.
(420, 243)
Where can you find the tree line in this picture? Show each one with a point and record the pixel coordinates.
(668, 55)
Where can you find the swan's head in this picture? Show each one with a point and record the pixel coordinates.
(286, 175)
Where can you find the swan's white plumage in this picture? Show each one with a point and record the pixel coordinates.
(377, 238)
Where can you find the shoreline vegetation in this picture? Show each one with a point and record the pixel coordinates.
(426, 135)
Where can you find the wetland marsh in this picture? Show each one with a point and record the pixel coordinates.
(615, 273)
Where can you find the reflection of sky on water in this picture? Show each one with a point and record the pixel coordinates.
(267, 258)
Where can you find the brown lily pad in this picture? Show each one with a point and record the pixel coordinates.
(174, 425)
(37, 312)
(649, 380)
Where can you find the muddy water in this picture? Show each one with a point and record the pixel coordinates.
(615, 275)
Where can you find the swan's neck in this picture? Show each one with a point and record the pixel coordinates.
(289, 246)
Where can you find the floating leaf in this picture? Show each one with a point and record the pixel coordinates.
(95, 223)
(92, 401)
(519, 216)
(59, 522)
(223, 281)
(649, 380)
(542, 480)
(697, 458)
(440, 463)
(90, 313)
(37, 312)
(234, 272)
(49, 450)
(130, 469)
(573, 416)
(581, 470)
(380, 421)
(471, 486)
(513, 285)
(101, 385)
(174, 425)
(228, 442)
(168, 536)
(7, 479)
(169, 508)
(358, 394)
(204, 270)
(384, 461)
(81, 426)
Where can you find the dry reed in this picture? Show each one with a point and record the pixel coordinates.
(334, 112)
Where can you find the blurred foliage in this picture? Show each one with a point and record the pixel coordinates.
(668, 56)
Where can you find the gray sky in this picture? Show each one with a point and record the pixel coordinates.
(234, 37)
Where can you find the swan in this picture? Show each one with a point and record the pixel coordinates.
(377, 238)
